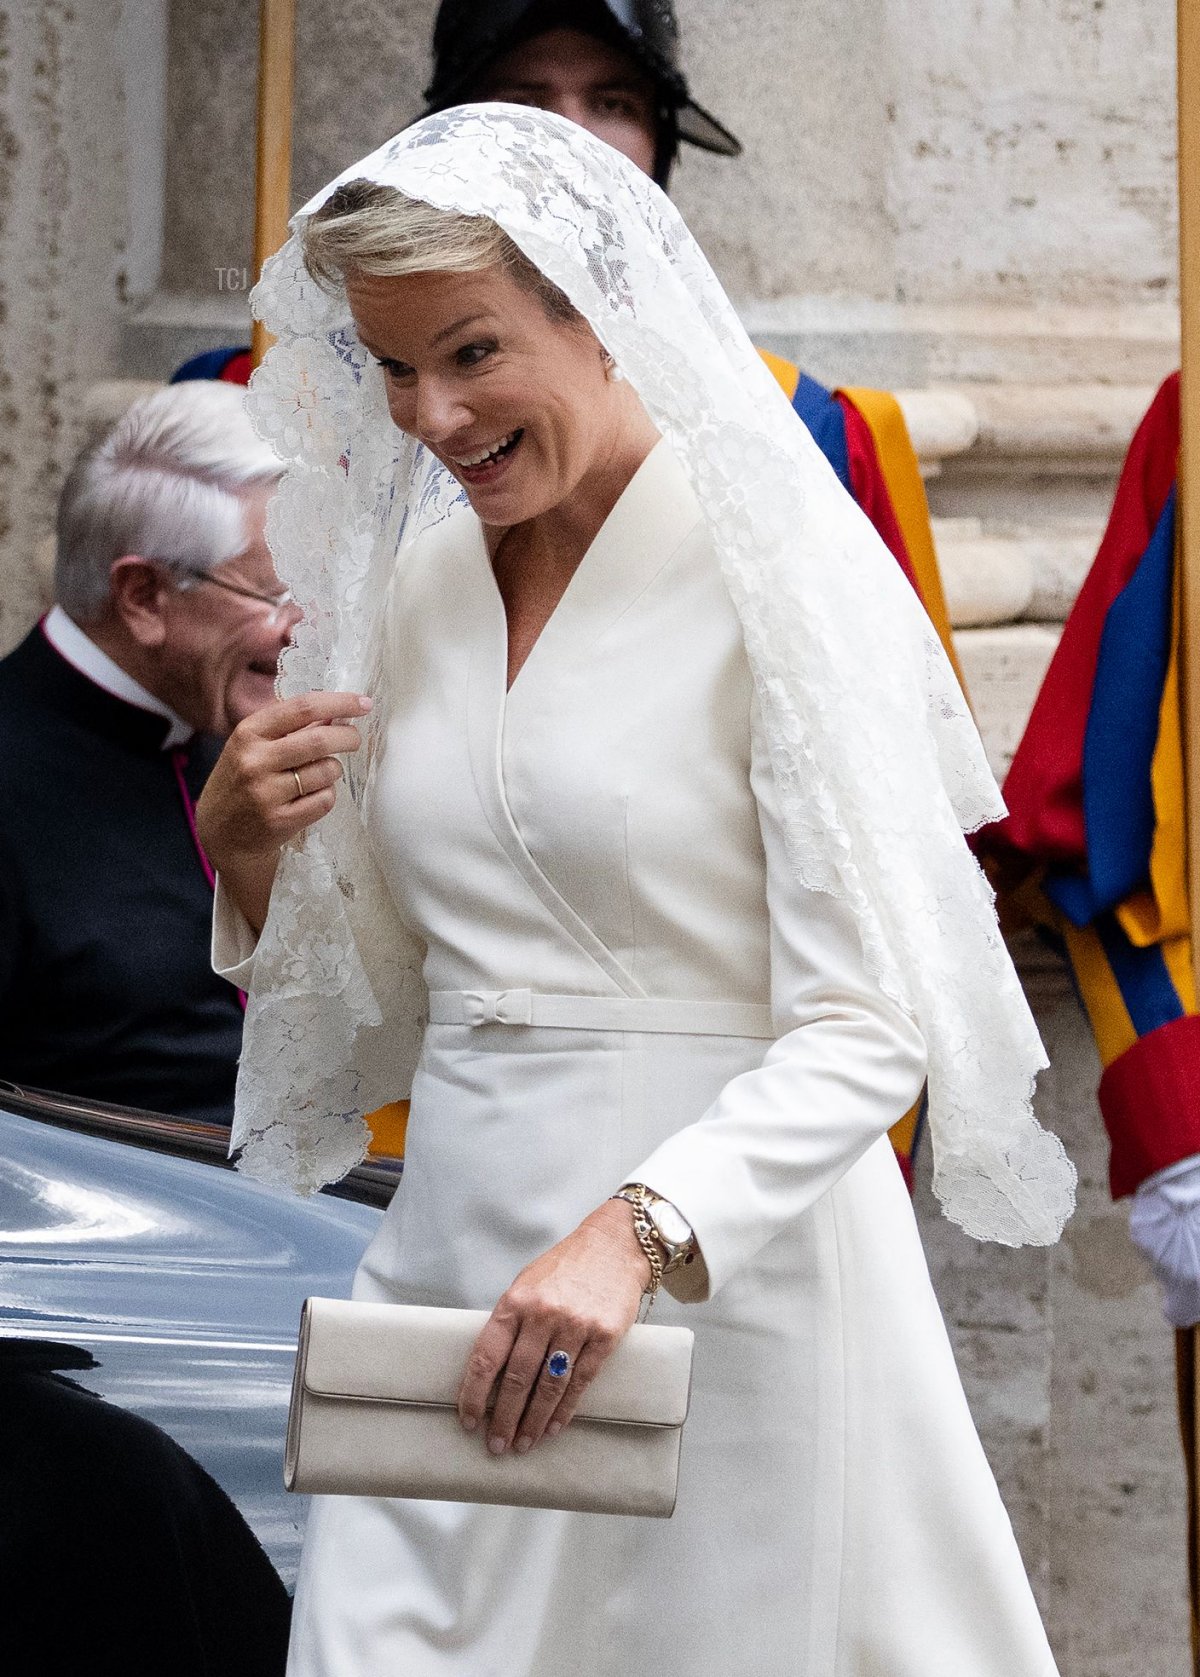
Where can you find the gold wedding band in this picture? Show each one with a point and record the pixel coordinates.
(300, 792)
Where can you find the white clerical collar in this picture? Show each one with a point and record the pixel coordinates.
(70, 642)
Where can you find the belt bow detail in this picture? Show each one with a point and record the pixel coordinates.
(497, 1007)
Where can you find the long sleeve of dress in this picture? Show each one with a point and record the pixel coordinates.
(847, 1063)
(379, 1002)
(234, 943)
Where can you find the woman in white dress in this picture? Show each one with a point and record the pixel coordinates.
(657, 830)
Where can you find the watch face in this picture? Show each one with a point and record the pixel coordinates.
(674, 1228)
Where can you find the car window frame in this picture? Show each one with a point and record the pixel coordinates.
(371, 1183)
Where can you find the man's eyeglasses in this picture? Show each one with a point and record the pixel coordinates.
(279, 603)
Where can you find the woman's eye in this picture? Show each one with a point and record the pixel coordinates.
(470, 355)
(393, 369)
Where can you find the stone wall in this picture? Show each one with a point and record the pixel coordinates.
(62, 236)
(928, 191)
(915, 151)
(896, 150)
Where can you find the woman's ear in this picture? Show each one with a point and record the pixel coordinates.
(139, 590)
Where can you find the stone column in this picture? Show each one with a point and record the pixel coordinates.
(62, 235)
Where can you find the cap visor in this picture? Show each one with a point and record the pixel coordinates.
(700, 129)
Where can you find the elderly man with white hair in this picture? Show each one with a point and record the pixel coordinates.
(166, 633)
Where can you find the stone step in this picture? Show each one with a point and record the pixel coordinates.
(1032, 455)
(857, 340)
(1012, 574)
(1060, 428)
(1003, 668)
(1020, 481)
(942, 424)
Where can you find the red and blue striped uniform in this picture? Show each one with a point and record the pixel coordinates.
(1095, 796)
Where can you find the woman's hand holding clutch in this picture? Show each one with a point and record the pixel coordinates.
(277, 775)
(553, 1329)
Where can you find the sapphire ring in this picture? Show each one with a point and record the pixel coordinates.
(558, 1365)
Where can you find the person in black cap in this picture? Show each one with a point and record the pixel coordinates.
(610, 65)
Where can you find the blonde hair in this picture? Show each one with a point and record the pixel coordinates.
(367, 228)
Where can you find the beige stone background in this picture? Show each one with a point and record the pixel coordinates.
(969, 201)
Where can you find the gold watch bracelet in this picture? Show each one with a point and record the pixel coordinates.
(647, 1239)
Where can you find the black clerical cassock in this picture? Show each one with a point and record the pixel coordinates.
(105, 899)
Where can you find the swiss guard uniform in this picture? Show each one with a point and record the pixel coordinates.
(1096, 826)
(1095, 798)
(862, 433)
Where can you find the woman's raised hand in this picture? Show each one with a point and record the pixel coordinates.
(581, 1297)
(277, 775)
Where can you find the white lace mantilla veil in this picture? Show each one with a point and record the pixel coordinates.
(878, 764)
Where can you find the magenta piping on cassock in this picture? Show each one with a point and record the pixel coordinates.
(178, 761)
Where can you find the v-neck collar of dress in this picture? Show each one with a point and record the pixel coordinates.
(653, 514)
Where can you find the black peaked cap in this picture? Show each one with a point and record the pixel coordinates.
(469, 35)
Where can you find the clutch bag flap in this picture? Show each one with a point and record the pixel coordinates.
(373, 1414)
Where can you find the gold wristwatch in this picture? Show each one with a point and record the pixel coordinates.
(667, 1227)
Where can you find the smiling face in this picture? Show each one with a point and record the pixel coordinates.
(219, 651)
(579, 77)
(517, 405)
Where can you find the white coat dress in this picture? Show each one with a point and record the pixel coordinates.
(608, 829)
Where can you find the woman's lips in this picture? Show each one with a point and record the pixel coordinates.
(477, 477)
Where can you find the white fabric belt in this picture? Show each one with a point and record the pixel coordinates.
(601, 1013)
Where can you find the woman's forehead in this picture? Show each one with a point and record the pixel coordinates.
(425, 308)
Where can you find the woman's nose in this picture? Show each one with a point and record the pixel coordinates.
(439, 414)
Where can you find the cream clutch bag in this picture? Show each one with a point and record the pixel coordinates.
(373, 1414)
